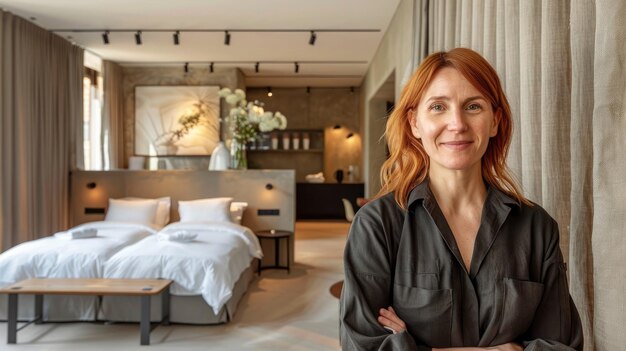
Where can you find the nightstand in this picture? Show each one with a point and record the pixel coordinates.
(276, 235)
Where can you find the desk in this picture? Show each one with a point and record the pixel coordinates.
(144, 288)
(276, 235)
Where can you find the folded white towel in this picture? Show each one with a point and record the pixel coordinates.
(315, 178)
(77, 234)
(180, 236)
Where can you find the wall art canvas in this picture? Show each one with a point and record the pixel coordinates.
(176, 120)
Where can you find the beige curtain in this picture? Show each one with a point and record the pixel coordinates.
(609, 167)
(561, 63)
(40, 129)
(113, 114)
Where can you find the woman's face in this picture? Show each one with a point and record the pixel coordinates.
(454, 121)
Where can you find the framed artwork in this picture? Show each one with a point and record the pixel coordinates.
(176, 120)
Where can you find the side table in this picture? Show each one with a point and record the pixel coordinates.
(276, 235)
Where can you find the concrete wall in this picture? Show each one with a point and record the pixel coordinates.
(321, 109)
(395, 55)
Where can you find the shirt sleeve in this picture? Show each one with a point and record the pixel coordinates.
(556, 324)
(367, 288)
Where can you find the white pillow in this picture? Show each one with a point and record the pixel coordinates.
(136, 211)
(215, 209)
(236, 211)
(163, 209)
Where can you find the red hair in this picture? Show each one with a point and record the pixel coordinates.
(408, 162)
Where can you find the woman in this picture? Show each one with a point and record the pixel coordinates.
(451, 254)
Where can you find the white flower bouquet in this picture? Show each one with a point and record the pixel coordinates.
(246, 120)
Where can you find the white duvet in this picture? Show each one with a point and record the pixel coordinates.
(57, 257)
(209, 265)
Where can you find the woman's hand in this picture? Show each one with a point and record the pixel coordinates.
(390, 320)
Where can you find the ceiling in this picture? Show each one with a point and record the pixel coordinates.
(336, 59)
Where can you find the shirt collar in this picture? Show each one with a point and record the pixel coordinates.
(422, 192)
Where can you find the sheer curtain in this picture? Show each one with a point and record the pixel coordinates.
(112, 118)
(561, 63)
(40, 134)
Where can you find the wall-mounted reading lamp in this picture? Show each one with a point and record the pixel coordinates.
(91, 185)
(269, 186)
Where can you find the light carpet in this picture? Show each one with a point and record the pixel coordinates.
(280, 311)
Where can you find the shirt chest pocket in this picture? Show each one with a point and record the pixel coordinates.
(421, 274)
(520, 300)
(426, 313)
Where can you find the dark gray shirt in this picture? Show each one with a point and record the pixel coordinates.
(515, 291)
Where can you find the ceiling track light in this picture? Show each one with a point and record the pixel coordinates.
(105, 37)
(177, 37)
(186, 67)
(296, 67)
(312, 38)
(256, 67)
(226, 38)
(269, 91)
(138, 38)
(350, 135)
(211, 67)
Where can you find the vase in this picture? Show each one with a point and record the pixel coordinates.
(238, 159)
(220, 158)
(286, 141)
(339, 176)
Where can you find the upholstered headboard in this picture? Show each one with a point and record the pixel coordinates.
(264, 190)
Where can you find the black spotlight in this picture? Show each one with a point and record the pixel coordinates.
(312, 38)
(226, 38)
(296, 67)
(186, 67)
(105, 37)
(351, 90)
(138, 38)
(337, 126)
(211, 67)
(308, 90)
(269, 186)
(177, 38)
(256, 67)
(350, 135)
(91, 185)
(269, 91)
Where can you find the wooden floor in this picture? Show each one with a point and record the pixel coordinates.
(280, 311)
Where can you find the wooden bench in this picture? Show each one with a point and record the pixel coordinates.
(144, 288)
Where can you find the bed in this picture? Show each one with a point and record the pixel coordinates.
(211, 272)
(57, 256)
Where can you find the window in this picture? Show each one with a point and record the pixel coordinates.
(93, 141)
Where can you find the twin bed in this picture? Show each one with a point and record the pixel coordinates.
(211, 270)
